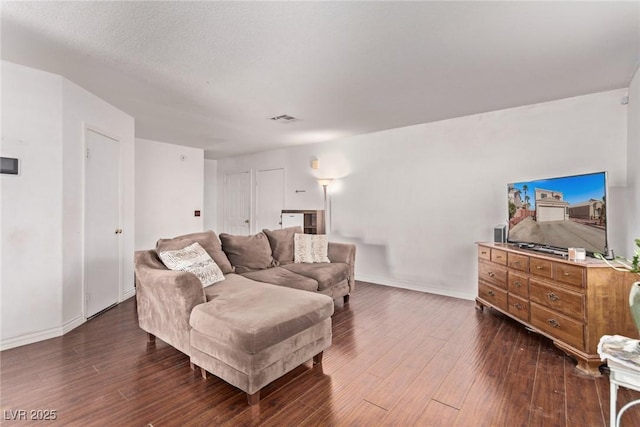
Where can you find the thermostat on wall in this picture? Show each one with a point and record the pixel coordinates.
(9, 165)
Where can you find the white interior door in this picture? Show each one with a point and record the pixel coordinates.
(269, 199)
(102, 223)
(237, 203)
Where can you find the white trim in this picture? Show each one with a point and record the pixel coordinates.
(130, 293)
(69, 325)
(403, 284)
(30, 338)
(33, 337)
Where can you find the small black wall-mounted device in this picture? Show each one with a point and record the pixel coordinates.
(9, 165)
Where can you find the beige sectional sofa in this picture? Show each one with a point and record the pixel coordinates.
(266, 317)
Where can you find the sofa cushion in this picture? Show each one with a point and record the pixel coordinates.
(193, 259)
(282, 277)
(326, 274)
(310, 248)
(232, 282)
(253, 318)
(207, 239)
(281, 242)
(248, 253)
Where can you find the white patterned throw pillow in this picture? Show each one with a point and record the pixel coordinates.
(310, 248)
(193, 259)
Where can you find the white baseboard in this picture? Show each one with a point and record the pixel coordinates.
(46, 334)
(73, 323)
(128, 294)
(54, 332)
(403, 284)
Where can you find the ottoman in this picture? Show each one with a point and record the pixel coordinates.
(253, 336)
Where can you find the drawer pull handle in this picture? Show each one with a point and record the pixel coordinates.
(516, 262)
(491, 293)
(566, 273)
(483, 252)
(554, 323)
(518, 306)
(517, 284)
(499, 257)
(491, 274)
(553, 297)
(538, 267)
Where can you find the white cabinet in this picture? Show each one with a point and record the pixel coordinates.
(292, 220)
(311, 221)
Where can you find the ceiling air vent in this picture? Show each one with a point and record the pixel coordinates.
(283, 118)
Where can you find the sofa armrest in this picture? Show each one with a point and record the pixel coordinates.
(344, 252)
(165, 299)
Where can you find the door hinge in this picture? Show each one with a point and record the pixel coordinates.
(87, 153)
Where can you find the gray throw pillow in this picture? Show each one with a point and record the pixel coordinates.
(281, 242)
(248, 253)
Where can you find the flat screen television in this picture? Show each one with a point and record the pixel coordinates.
(555, 214)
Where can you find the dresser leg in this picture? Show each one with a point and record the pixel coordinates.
(479, 306)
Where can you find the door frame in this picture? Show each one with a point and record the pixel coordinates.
(92, 128)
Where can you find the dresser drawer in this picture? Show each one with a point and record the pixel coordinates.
(493, 274)
(571, 275)
(518, 284)
(558, 326)
(518, 307)
(494, 296)
(484, 253)
(518, 262)
(541, 267)
(498, 256)
(565, 302)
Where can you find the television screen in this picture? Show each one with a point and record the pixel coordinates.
(560, 213)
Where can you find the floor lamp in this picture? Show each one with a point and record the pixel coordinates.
(325, 183)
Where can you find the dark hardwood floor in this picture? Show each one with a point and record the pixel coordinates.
(398, 358)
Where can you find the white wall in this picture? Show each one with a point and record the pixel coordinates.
(415, 199)
(169, 188)
(31, 233)
(210, 195)
(633, 163)
(44, 120)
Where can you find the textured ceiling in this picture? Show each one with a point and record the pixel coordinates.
(210, 74)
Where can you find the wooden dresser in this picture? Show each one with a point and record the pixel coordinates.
(572, 303)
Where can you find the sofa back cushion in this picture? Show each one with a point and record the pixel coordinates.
(248, 253)
(209, 242)
(281, 242)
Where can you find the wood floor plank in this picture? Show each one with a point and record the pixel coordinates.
(390, 389)
(487, 393)
(437, 414)
(398, 358)
(457, 384)
(513, 409)
(548, 399)
(582, 400)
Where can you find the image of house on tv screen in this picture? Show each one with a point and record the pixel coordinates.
(559, 212)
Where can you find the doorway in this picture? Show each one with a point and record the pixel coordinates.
(269, 199)
(102, 248)
(237, 203)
